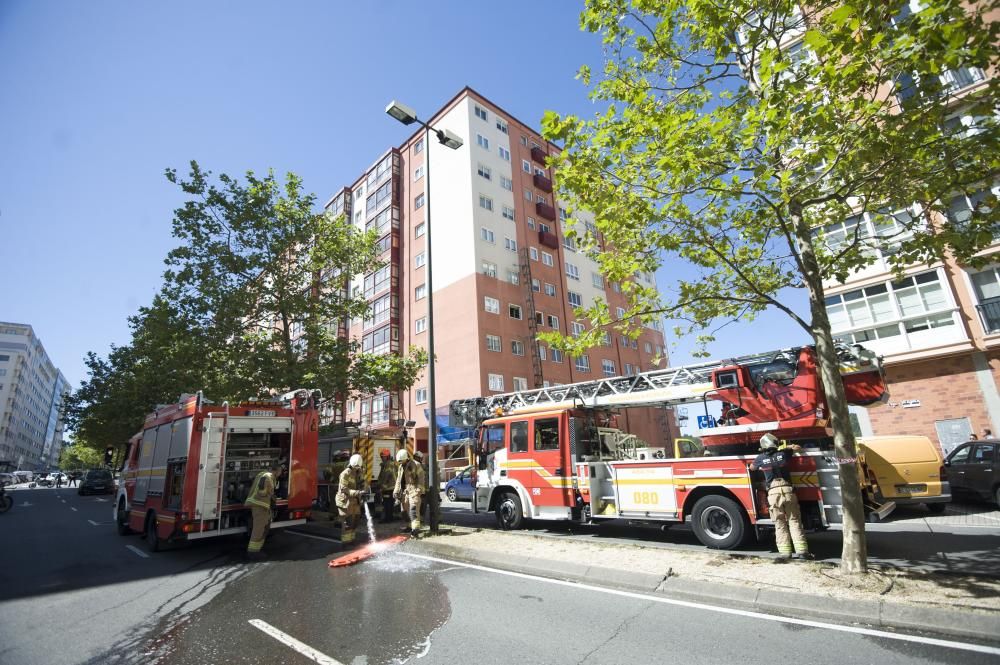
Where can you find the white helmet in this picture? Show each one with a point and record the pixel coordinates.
(768, 442)
(402, 455)
(355, 461)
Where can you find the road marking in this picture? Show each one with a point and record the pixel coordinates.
(101, 500)
(965, 646)
(98, 523)
(26, 505)
(72, 508)
(309, 535)
(136, 550)
(291, 642)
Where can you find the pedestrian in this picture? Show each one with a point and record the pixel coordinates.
(782, 503)
(72, 480)
(409, 488)
(987, 433)
(387, 485)
(59, 479)
(973, 437)
(350, 489)
(261, 501)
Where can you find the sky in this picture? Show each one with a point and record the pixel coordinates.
(98, 98)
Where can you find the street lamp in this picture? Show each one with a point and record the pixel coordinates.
(448, 139)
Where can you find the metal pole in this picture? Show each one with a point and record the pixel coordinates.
(432, 450)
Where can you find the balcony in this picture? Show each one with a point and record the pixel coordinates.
(989, 314)
(546, 211)
(548, 239)
(542, 183)
(538, 155)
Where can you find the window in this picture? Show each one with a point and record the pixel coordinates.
(531, 223)
(517, 347)
(491, 305)
(628, 370)
(496, 382)
(541, 352)
(520, 383)
(418, 147)
(608, 367)
(572, 271)
(510, 244)
(533, 253)
(514, 311)
(421, 395)
(547, 434)
(513, 277)
(418, 173)
(550, 289)
(536, 286)
(418, 202)
(519, 437)
(547, 258)
(420, 260)
(984, 454)
(620, 313)
(524, 140)
(420, 292)
(582, 364)
(508, 213)
(553, 322)
(575, 299)
(489, 269)
(616, 287)
(420, 325)
(569, 243)
(482, 141)
(485, 202)
(504, 153)
(507, 183)
(541, 172)
(541, 199)
(480, 112)
(647, 347)
(557, 356)
(484, 172)
(606, 339)
(528, 196)
(493, 343)
(419, 230)
(960, 208)
(597, 280)
(502, 125)
(487, 235)
(576, 328)
(526, 166)
(986, 284)
(540, 318)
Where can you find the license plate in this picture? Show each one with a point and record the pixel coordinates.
(911, 489)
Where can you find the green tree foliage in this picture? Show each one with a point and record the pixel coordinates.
(77, 457)
(735, 136)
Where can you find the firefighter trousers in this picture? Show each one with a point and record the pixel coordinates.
(784, 508)
(412, 507)
(258, 533)
(349, 518)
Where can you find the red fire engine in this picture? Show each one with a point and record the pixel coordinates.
(557, 454)
(187, 473)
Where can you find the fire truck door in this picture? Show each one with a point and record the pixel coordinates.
(491, 445)
(551, 480)
(210, 465)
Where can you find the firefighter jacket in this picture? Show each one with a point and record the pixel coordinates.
(774, 464)
(262, 490)
(351, 487)
(387, 477)
(409, 480)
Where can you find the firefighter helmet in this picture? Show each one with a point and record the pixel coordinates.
(768, 442)
(402, 455)
(384, 454)
(355, 461)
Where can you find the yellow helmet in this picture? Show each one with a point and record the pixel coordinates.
(402, 456)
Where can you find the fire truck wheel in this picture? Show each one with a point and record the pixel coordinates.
(121, 518)
(718, 522)
(152, 539)
(510, 516)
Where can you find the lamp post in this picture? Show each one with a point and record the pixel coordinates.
(408, 116)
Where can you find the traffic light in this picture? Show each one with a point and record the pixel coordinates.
(109, 455)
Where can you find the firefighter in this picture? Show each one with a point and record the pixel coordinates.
(350, 489)
(387, 484)
(418, 457)
(261, 500)
(409, 488)
(782, 503)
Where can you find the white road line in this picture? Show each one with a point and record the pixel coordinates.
(72, 508)
(136, 550)
(98, 523)
(291, 642)
(309, 535)
(965, 646)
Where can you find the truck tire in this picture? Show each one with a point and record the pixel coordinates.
(509, 513)
(719, 523)
(121, 519)
(153, 540)
(936, 508)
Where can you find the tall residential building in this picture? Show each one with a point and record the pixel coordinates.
(504, 270)
(32, 391)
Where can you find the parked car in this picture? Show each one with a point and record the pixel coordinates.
(461, 486)
(974, 470)
(906, 470)
(97, 481)
(7, 479)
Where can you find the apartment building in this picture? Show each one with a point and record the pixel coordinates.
(503, 270)
(32, 390)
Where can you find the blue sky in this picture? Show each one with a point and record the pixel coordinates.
(98, 98)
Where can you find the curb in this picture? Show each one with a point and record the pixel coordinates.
(875, 613)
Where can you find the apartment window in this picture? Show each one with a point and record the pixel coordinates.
(421, 395)
(541, 352)
(550, 289)
(572, 271)
(496, 382)
(514, 311)
(536, 286)
(576, 328)
(526, 166)
(628, 370)
(533, 253)
(986, 284)
(420, 292)
(647, 347)
(547, 258)
(624, 341)
(508, 213)
(520, 383)
(504, 153)
(524, 140)
(482, 141)
(539, 318)
(487, 235)
(517, 347)
(493, 343)
(540, 172)
(569, 243)
(606, 339)
(553, 322)
(420, 325)
(419, 230)
(489, 269)
(961, 207)
(616, 287)
(557, 356)
(507, 183)
(418, 173)
(491, 305)
(541, 199)
(598, 280)
(575, 299)
(480, 112)
(544, 228)
(528, 196)
(510, 244)
(485, 202)
(620, 313)
(582, 363)
(420, 260)
(484, 171)
(531, 223)
(418, 202)
(357, 217)
(418, 147)
(502, 125)
(513, 277)
(608, 367)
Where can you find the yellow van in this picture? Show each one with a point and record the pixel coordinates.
(904, 469)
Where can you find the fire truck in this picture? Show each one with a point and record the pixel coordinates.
(188, 472)
(556, 453)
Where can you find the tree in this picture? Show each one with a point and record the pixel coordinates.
(736, 136)
(76, 457)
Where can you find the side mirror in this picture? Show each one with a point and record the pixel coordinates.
(947, 462)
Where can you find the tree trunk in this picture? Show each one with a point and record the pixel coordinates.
(854, 556)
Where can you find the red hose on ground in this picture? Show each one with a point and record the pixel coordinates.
(366, 552)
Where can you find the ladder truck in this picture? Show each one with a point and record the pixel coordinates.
(556, 453)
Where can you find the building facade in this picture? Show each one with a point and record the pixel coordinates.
(32, 391)
(503, 270)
